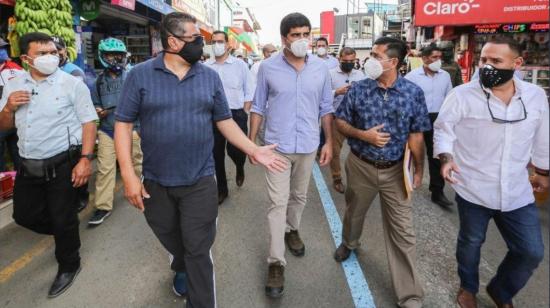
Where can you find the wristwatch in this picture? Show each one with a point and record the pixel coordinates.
(90, 156)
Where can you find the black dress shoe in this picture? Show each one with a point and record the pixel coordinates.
(82, 204)
(342, 253)
(440, 199)
(240, 178)
(221, 197)
(62, 282)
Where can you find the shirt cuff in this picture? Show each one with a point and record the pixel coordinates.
(440, 148)
(256, 110)
(540, 162)
(88, 119)
(123, 118)
(222, 117)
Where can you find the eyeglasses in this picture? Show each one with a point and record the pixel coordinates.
(190, 38)
(502, 121)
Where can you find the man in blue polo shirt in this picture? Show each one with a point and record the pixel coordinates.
(177, 101)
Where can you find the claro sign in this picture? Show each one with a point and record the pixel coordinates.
(468, 12)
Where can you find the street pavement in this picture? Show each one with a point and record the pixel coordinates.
(124, 265)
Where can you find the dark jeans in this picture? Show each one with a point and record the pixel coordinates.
(8, 139)
(220, 144)
(48, 207)
(520, 229)
(437, 183)
(184, 220)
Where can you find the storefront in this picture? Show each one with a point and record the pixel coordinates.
(470, 24)
(6, 20)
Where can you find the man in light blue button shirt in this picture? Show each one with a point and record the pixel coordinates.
(298, 89)
(238, 85)
(54, 117)
(436, 84)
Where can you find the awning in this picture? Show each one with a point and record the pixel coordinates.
(242, 37)
(474, 12)
(157, 5)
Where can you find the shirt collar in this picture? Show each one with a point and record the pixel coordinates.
(50, 79)
(283, 58)
(397, 85)
(517, 85)
(230, 60)
(423, 71)
(158, 64)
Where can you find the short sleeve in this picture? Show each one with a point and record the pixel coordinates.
(83, 105)
(128, 108)
(346, 109)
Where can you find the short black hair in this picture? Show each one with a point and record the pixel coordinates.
(428, 50)
(221, 32)
(346, 51)
(33, 37)
(506, 40)
(172, 24)
(293, 20)
(396, 48)
(321, 39)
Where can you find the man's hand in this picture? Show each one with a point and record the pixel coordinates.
(375, 137)
(135, 192)
(540, 183)
(268, 158)
(447, 170)
(81, 172)
(341, 91)
(326, 154)
(101, 113)
(17, 99)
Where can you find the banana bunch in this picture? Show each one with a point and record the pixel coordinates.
(53, 17)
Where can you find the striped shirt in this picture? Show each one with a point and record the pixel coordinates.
(176, 117)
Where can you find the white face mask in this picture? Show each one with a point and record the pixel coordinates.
(374, 68)
(219, 49)
(299, 47)
(435, 66)
(321, 51)
(46, 64)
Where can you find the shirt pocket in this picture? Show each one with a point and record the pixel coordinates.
(59, 107)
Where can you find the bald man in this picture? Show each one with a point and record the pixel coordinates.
(268, 50)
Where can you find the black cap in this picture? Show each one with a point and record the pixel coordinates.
(59, 42)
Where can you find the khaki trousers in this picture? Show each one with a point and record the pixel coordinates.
(106, 169)
(337, 143)
(364, 182)
(288, 196)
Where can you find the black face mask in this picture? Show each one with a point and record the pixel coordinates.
(347, 67)
(491, 77)
(191, 52)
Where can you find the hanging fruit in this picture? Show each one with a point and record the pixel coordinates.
(53, 17)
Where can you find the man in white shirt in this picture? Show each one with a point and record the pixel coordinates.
(341, 79)
(321, 45)
(436, 84)
(239, 90)
(486, 134)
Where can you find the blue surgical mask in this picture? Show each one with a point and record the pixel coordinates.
(4, 55)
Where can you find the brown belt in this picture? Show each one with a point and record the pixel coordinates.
(378, 164)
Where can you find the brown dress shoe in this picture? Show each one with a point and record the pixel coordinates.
(498, 302)
(466, 299)
(338, 186)
(275, 280)
(342, 253)
(295, 244)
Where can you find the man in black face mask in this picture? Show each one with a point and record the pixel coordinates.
(341, 79)
(486, 133)
(178, 101)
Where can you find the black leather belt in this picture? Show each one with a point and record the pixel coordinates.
(378, 164)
